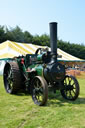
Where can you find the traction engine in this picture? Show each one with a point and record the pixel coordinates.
(37, 72)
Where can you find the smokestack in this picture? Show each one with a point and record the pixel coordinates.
(53, 40)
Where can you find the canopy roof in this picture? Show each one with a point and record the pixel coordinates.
(10, 49)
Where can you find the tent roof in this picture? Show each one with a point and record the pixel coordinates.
(10, 49)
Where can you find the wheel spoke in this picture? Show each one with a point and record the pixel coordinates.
(71, 94)
(70, 81)
(74, 92)
(37, 83)
(73, 84)
(66, 93)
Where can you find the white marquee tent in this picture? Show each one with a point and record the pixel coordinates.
(10, 49)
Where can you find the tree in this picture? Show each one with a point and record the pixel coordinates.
(41, 40)
(45, 40)
(27, 37)
(15, 34)
(2, 34)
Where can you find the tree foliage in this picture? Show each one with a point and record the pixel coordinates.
(16, 34)
(2, 34)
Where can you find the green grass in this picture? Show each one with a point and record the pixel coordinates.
(19, 111)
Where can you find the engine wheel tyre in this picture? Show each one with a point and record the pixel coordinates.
(39, 90)
(12, 77)
(71, 88)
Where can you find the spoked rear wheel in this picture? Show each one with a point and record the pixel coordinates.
(71, 88)
(39, 91)
(12, 77)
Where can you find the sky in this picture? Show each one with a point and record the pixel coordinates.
(35, 15)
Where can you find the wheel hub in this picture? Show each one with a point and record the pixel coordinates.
(69, 87)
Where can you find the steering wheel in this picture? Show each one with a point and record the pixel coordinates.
(37, 51)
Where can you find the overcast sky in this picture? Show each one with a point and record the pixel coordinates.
(35, 15)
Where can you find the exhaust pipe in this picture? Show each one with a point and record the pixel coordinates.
(53, 41)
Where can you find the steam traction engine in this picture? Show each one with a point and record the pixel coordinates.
(37, 72)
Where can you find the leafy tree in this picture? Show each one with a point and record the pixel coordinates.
(27, 37)
(16, 34)
(44, 39)
(2, 34)
(41, 40)
(36, 40)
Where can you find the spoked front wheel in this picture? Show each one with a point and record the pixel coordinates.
(71, 88)
(39, 91)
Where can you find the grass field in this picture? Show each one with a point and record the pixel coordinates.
(19, 111)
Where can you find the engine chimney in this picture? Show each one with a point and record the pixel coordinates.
(53, 41)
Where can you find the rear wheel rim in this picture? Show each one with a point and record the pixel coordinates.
(8, 78)
(12, 77)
